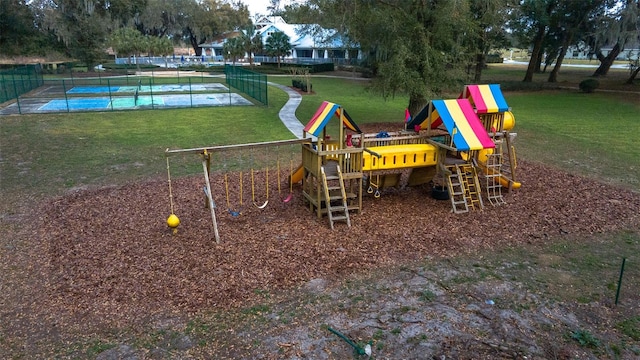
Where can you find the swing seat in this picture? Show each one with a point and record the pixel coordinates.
(261, 206)
(234, 213)
(288, 198)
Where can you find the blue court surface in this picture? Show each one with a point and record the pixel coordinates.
(143, 101)
(147, 88)
(76, 103)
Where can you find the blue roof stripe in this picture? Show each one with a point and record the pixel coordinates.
(498, 97)
(449, 123)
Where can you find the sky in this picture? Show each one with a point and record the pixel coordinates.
(260, 6)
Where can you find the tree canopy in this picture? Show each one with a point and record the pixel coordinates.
(278, 45)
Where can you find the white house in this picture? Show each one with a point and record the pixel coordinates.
(306, 48)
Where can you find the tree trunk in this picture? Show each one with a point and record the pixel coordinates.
(607, 61)
(416, 103)
(553, 76)
(535, 54)
(479, 65)
(193, 40)
(633, 76)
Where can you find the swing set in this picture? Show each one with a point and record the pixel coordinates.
(235, 210)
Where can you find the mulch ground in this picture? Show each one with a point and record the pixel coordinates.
(107, 255)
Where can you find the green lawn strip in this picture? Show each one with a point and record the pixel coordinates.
(45, 154)
(588, 134)
(355, 96)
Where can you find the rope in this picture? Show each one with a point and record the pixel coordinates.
(290, 196)
(233, 213)
(170, 190)
(253, 193)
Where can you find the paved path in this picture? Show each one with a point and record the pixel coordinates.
(288, 112)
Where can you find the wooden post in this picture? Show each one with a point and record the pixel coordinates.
(205, 161)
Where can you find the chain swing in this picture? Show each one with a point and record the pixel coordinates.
(253, 192)
(376, 185)
(238, 211)
(172, 221)
(290, 195)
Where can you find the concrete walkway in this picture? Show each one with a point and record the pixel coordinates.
(288, 112)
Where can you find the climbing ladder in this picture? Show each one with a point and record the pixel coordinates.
(508, 160)
(492, 176)
(463, 184)
(471, 185)
(455, 185)
(335, 194)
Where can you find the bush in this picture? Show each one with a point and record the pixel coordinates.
(299, 84)
(589, 85)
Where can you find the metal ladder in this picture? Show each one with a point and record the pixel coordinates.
(455, 184)
(335, 194)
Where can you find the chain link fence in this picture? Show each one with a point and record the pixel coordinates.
(19, 80)
(249, 82)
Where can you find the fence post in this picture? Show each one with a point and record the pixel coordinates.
(110, 96)
(190, 93)
(151, 82)
(15, 88)
(66, 99)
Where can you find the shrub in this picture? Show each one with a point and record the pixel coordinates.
(302, 85)
(589, 85)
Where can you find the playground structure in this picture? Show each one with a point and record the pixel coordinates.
(450, 144)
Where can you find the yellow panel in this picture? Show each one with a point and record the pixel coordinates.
(400, 157)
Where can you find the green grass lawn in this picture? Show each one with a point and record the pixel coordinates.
(354, 95)
(47, 154)
(590, 134)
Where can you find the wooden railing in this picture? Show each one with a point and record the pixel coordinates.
(393, 138)
(349, 159)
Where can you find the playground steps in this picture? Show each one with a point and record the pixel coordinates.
(335, 194)
(464, 187)
(471, 186)
(455, 184)
(492, 176)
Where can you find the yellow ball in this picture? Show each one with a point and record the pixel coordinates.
(173, 221)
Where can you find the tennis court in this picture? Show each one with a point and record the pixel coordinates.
(217, 87)
(106, 103)
(130, 93)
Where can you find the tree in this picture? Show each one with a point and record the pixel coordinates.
(573, 18)
(202, 21)
(488, 18)
(278, 45)
(618, 27)
(533, 20)
(252, 42)
(160, 46)
(417, 48)
(128, 41)
(82, 25)
(233, 48)
(16, 26)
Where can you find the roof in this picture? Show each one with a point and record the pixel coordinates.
(299, 39)
(322, 116)
(460, 120)
(487, 99)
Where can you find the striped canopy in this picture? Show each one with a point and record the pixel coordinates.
(322, 116)
(487, 99)
(459, 119)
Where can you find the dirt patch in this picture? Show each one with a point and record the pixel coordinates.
(105, 259)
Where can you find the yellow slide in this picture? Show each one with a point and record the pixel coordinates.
(504, 181)
(296, 175)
